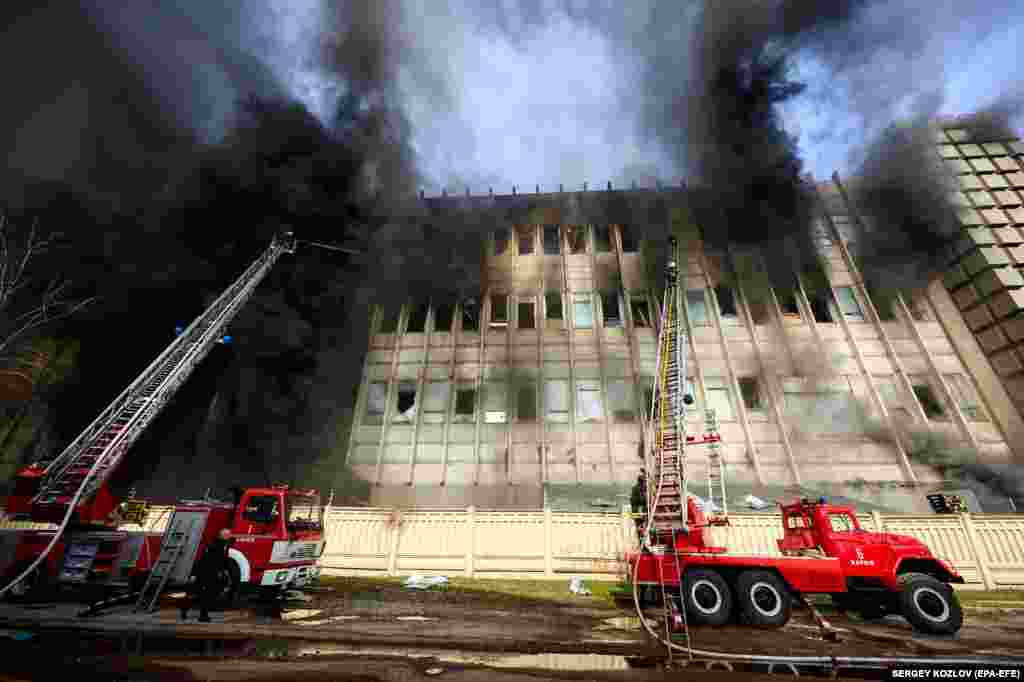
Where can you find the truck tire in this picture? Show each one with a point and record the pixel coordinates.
(764, 599)
(929, 604)
(231, 579)
(708, 597)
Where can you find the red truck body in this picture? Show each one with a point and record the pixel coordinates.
(824, 551)
(273, 546)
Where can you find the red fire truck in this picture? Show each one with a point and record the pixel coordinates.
(278, 531)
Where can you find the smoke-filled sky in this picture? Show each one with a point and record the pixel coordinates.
(562, 91)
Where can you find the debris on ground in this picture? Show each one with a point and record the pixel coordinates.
(425, 582)
(292, 595)
(576, 586)
(755, 502)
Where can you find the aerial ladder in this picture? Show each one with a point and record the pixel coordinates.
(72, 489)
(670, 506)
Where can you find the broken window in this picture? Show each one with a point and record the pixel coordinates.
(551, 240)
(417, 319)
(602, 239)
(629, 243)
(495, 410)
(525, 240)
(718, 397)
(405, 402)
(926, 395)
(610, 309)
(582, 312)
(883, 303)
(376, 400)
(588, 401)
(465, 401)
(470, 316)
(697, 307)
(848, 304)
(966, 397)
(499, 310)
(691, 390)
(526, 402)
(726, 301)
(526, 315)
(553, 305)
(758, 311)
(390, 315)
(820, 308)
(790, 309)
(556, 400)
(621, 400)
(444, 313)
(435, 400)
(751, 393)
(577, 239)
(641, 312)
(501, 241)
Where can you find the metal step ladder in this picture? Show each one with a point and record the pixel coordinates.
(78, 561)
(716, 510)
(176, 541)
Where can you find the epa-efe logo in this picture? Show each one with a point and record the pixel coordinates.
(860, 560)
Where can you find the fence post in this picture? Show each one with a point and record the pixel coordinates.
(471, 545)
(977, 550)
(549, 568)
(396, 530)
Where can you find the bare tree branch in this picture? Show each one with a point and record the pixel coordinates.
(20, 315)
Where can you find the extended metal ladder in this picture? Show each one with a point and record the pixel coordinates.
(716, 510)
(176, 541)
(89, 460)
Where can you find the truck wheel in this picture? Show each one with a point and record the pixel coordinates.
(231, 578)
(708, 598)
(764, 599)
(871, 609)
(929, 604)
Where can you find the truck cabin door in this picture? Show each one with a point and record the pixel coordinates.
(839, 536)
(260, 514)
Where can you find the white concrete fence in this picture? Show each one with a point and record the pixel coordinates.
(987, 549)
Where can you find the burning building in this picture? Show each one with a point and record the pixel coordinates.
(535, 389)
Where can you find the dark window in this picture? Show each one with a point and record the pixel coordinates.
(553, 303)
(602, 239)
(261, 509)
(641, 312)
(389, 319)
(500, 241)
(526, 316)
(758, 312)
(629, 244)
(443, 315)
(578, 239)
(787, 302)
(499, 310)
(821, 309)
(726, 301)
(526, 402)
(417, 319)
(465, 401)
(551, 239)
(610, 309)
(525, 241)
(648, 396)
(929, 401)
(883, 301)
(470, 316)
(406, 398)
(751, 393)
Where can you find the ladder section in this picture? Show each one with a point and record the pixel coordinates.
(716, 510)
(176, 541)
(668, 513)
(89, 460)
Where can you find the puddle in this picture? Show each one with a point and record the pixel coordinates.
(296, 614)
(324, 621)
(417, 618)
(621, 623)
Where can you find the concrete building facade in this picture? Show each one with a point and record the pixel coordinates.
(541, 382)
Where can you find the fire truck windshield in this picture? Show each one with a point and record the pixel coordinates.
(304, 512)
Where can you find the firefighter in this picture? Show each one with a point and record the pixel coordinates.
(638, 502)
(208, 577)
